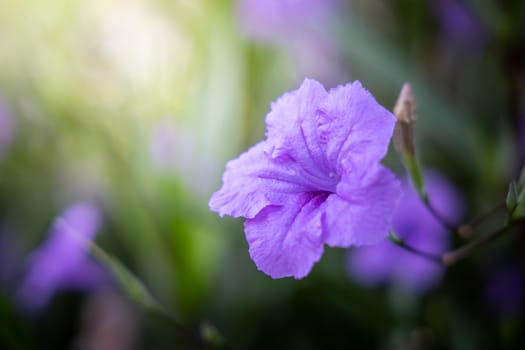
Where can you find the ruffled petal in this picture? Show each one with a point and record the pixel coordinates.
(288, 113)
(288, 240)
(292, 126)
(354, 128)
(361, 211)
(254, 181)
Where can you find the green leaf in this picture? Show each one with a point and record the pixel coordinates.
(518, 212)
(137, 292)
(512, 197)
(210, 334)
(522, 178)
(127, 280)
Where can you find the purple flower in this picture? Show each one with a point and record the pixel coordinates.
(174, 149)
(165, 145)
(315, 180)
(457, 23)
(302, 28)
(386, 262)
(273, 20)
(62, 261)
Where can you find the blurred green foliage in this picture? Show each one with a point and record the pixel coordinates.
(88, 83)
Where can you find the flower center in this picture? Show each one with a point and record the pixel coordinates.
(321, 181)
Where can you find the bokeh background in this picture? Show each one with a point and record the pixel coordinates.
(134, 107)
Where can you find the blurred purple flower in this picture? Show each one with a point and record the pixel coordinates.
(458, 24)
(386, 262)
(315, 180)
(301, 26)
(165, 144)
(172, 148)
(62, 261)
(7, 127)
(273, 20)
(505, 291)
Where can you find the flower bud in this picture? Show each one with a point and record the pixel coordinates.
(405, 112)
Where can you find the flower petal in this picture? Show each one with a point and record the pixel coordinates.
(415, 273)
(292, 123)
(63, 256)
(372, 265)
(254, 181)
(354, 128)
(386, 262)
(293, 133)
(361, 211)
(288, 240)
(288, 113)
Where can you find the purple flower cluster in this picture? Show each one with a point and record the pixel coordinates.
(315, 180)
(62, 261)
(387, 262)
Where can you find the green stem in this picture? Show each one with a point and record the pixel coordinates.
(401, 243)
(192, 338)
(414, 172)
(452, 257)
(444, 222)
(416, 175)
(466, 230)
(136, 290)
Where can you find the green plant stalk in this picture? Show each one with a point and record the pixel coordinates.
(135, 289)
(394, 238)
(416, 175)
(452, 257)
